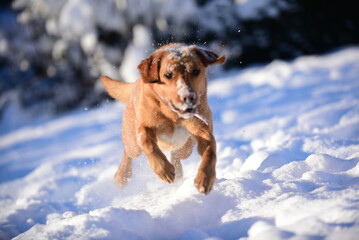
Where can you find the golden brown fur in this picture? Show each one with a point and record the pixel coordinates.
(167, 109)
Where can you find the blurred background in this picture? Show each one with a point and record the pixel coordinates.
(53, 51)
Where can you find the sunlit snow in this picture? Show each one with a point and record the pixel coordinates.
(287, 146)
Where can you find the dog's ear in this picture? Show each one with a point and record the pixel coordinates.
(209, 57)
(150, 67)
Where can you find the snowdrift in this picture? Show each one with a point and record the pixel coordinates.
(288, 153)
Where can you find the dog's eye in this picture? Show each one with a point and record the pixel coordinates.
(195, 72)
(169, 75)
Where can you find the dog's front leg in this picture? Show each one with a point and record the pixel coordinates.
(206, 174)
(158, 161)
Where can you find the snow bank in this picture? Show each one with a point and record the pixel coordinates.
(288, 165)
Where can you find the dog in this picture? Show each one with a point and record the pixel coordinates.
(167, 110)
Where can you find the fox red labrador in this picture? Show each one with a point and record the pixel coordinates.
(167, 110)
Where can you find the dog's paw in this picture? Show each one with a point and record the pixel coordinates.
(204, 181)
(166, 172)
(122, 178)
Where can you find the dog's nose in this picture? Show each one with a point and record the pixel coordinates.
(189, 98)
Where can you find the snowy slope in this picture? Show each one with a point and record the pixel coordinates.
(288, 153)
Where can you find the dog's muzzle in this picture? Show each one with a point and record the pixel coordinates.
(184, 108)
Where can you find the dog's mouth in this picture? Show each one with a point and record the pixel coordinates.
(189, 112)
(185, 110)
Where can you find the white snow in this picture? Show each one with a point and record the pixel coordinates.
(139, 49)
(288, 165)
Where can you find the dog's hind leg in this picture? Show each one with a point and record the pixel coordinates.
(124, 172)
(179, 154)
(131, 149)
(176, 161)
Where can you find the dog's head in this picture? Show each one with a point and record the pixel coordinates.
(177, 74)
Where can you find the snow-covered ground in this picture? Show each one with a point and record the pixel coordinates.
(288, 153)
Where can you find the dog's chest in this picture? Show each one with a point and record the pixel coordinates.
(174, 140)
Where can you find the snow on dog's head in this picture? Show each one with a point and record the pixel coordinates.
(177, 74)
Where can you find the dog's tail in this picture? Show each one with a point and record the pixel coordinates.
(118, 90)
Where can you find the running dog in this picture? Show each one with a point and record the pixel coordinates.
(167, 110)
